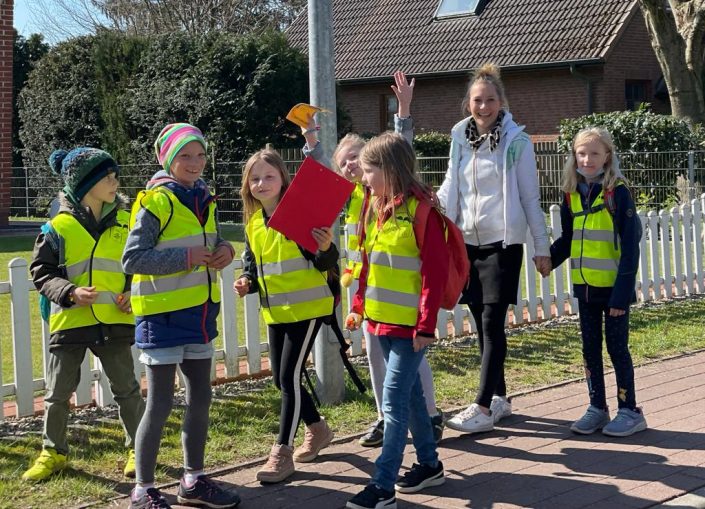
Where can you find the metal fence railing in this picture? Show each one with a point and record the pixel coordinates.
(658, 180)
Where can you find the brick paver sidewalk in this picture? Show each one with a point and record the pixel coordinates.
(531, 459)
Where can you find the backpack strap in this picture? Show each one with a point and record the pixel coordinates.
(611, 206)
(344, 347)
(423, 209)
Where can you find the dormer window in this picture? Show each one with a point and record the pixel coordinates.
(455, 8)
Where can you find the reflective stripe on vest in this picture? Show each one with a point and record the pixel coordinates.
(593, 257)
(394, 277)
(164, 293)
(91, 263)
(352, 218)
(291, 289)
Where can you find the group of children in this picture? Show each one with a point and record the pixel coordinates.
(150, 277)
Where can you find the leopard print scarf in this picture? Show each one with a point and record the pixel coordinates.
(475, 139)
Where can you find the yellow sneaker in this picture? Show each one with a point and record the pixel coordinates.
(48, 462)
(129, 470)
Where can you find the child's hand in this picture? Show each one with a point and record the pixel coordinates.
(84, 295)
(421, 341)
(310, 132)
(405, 92)
(199, 255)
(617, 312)
(123, 302)
(241, 286)
(543, 265)
(353, 321)
(324, 237)
(221, 257)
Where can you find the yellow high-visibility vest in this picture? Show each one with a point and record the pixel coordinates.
(352, 218)
(594, 258)
(91, 263)
(291, 289)
(394, 273)
(155, 294)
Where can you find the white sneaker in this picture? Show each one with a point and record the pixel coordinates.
(501, 407)
(471, 420)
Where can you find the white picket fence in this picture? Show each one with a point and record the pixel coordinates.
(671, 264)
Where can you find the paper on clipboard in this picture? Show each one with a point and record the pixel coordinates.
(313, 200)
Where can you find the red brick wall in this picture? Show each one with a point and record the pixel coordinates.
(6, 45)
(538, 99)
(631, 59)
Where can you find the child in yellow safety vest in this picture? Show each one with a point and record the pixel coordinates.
(600, 234)
(295, 298)
(400, 290)
(345, 162)
(76, 268)
(174, 251)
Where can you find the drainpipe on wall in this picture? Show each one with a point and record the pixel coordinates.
(588, 82)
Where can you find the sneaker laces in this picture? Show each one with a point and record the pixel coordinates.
(156, 500)
(211, 488)
(412, 474)
(469, 412)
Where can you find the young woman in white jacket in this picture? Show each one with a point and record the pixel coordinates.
(491, 192)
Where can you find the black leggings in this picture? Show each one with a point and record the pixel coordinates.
(489, 319)
(289, 346)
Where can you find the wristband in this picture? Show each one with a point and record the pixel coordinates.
(312, 130)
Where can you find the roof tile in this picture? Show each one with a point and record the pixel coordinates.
(374, 38)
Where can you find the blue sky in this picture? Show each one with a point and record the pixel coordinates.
(23, 24)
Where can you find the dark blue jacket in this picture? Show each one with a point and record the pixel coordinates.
(628, 227)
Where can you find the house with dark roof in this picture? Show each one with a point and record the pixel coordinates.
(559, 58)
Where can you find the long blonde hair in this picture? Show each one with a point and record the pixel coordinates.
(612, 172)
(392, 154)
(250, 204)
(350, 139)
(489, 73)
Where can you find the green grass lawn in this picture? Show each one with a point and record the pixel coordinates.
(243, 426)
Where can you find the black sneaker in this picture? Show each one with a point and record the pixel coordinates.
(206, 493)
(373, 497)
(374, 435)
(150, 500)
(420, 477)
(438, 425)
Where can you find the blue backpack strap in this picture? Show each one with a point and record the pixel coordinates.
(56, 243)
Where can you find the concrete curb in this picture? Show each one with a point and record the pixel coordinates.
(693, 500)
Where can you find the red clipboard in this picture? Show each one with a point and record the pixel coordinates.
(314, 199)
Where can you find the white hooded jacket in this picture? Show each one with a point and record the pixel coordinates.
(520, 188)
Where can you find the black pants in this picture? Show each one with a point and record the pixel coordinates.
(617, 339)
(489, 319)
(289, 346)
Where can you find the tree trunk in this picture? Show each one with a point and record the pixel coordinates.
(677, 39)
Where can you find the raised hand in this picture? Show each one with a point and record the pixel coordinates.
(404, 90)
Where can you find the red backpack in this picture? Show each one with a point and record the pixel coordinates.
(458, 263)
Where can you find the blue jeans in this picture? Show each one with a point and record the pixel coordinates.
(404, 410)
